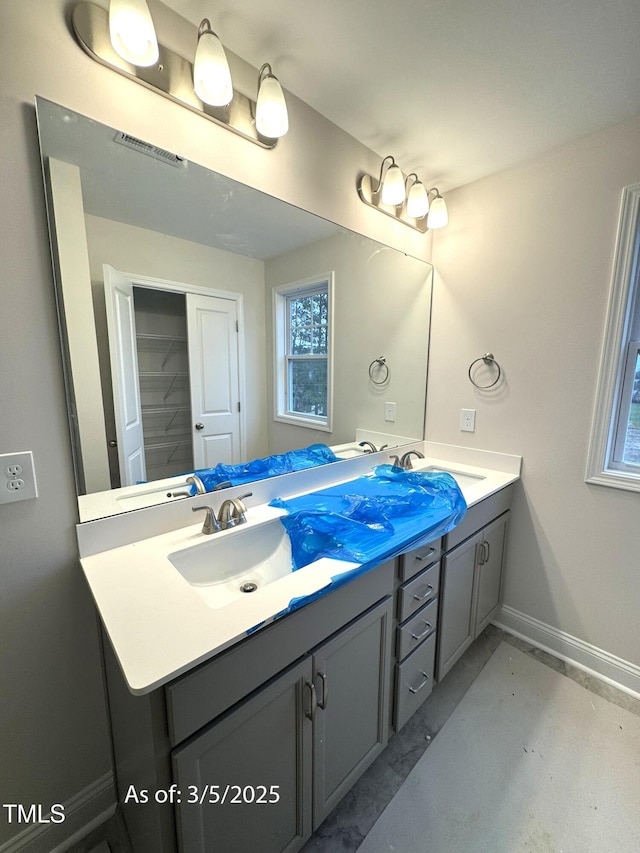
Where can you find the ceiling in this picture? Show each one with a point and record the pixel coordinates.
(454, 89)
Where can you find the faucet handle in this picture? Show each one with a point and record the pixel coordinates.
(211, 524)
(242, 508)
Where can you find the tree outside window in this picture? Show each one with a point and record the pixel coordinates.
(303, 334)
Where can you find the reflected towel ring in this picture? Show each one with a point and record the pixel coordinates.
(382, 364)
(488, 359)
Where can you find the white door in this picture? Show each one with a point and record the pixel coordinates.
(212, 330)
(121, 326)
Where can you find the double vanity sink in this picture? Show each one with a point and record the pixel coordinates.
(171, 601)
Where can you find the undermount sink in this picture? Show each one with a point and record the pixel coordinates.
(462, 478)
(230, 566)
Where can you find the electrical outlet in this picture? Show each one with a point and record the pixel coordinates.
(467, 420)
(389, 411)
(18, 478)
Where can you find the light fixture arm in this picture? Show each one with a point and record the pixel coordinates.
(383, 172)
(205, 27)
(265, 71)
(171, 76)
(416, 180)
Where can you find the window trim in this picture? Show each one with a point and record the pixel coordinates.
(625, 290)
(280, 331)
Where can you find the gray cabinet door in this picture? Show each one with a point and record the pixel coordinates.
(351, 725)
(456, 622)
(245, 781)
(490, 572)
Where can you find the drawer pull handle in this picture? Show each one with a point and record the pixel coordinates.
(325, 691)
(420, 686)
(426, 594)
(424, 633)
(313, 701)
(426, 556)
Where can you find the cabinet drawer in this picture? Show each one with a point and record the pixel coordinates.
(415, 561)
(415, 594)
(414, 681)
(414, 632)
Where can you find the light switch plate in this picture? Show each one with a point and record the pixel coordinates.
(17, 477)
(389, 411)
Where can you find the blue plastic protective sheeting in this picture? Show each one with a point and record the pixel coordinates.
(373, 518)
(263, 469)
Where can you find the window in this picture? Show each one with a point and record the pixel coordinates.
(614, 452)
(303, 347)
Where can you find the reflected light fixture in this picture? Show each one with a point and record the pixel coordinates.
(132, 32)
(124, 40)
(272, 118)
(211, 75)
(405, 200)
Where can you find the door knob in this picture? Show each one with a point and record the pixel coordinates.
(199, 425)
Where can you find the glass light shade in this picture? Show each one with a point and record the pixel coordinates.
(393, 187)
(417, 201)
(272, 119)
(211, 75)
(132, 34)
(438, 216)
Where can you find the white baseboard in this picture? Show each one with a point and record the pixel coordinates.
(607, 667)
(82, 813)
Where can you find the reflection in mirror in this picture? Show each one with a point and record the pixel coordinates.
(171, 284)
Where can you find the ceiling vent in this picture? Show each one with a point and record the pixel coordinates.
(150, 150)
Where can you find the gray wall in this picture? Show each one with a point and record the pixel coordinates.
(531, 285)
(53, 729)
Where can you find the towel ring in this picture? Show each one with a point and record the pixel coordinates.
(382, 364)
(488, 359)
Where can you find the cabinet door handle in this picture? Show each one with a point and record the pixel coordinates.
(421, 685)
(480, 553)
(325, 690)
(424, 633)
(487, 551)
(426, 556)
(426, 594)
(313, 700)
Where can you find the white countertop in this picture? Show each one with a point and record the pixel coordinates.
(160, 626)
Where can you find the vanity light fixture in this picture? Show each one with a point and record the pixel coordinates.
(272, 119)
(404, 199)
(438, 215)
(211, 75)
(417, 198)
(391, 183)
(132, 32)
(124, 40)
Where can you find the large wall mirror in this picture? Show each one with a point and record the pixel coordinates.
(170, 282)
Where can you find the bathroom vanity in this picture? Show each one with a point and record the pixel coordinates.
(254, 745)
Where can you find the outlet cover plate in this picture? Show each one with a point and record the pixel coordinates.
(467, 420)
(17, 477)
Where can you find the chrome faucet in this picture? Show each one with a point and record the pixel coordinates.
(194, 480)
(231, 512)
(405, 462)
(373, 448)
